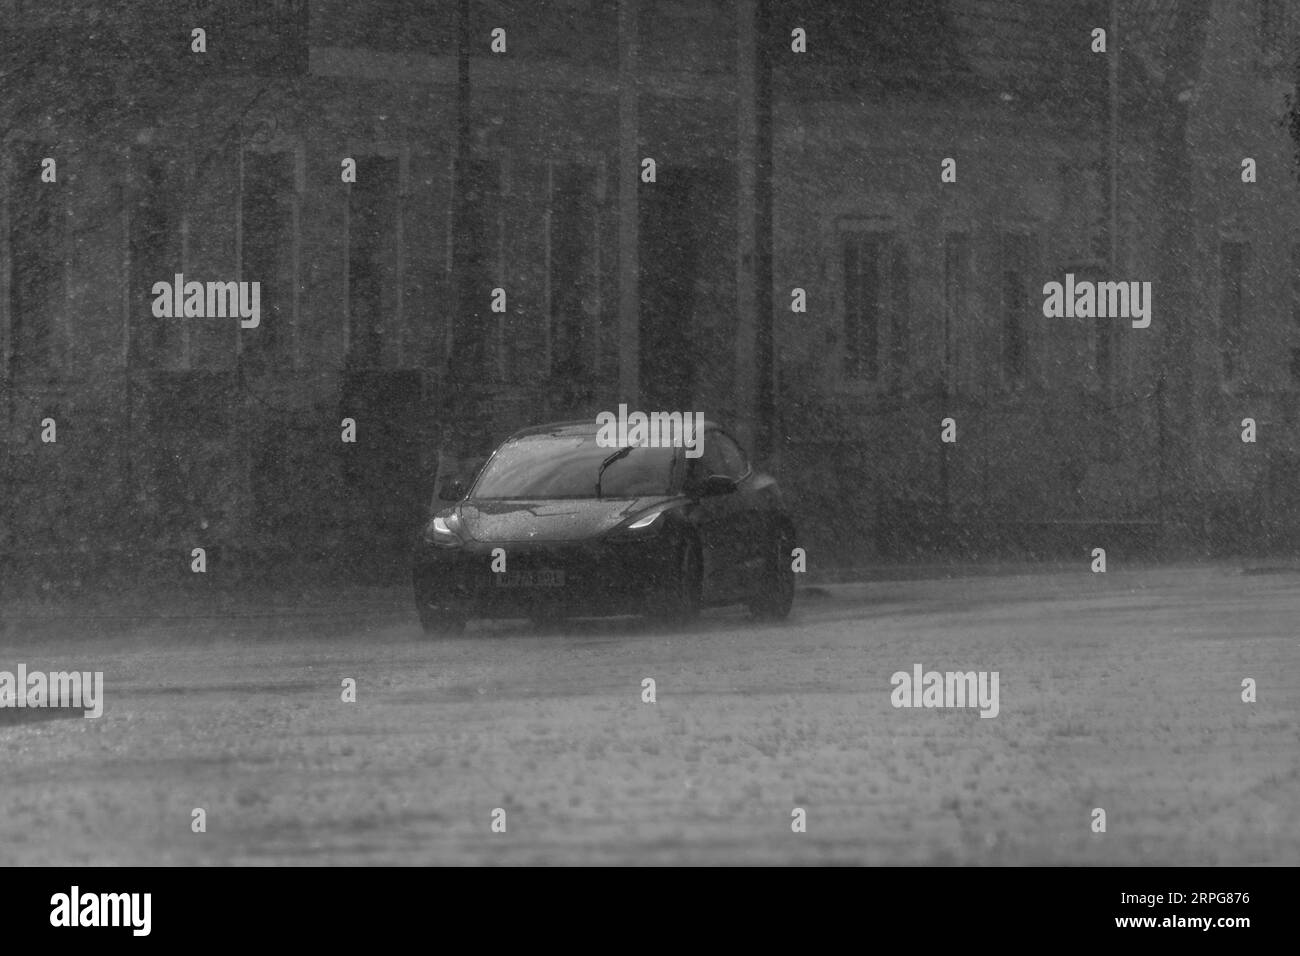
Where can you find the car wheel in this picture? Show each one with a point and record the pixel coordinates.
(438, 622)
(776, 595)
(678, 600)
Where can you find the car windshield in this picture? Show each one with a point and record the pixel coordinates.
(564, 465)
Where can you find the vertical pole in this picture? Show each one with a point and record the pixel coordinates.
(8, 537)
(1114, 138)
(763, 332)
(296, 321)
(127, 440)
(347, 275)
(464, 369)
(946, 380)
(465, 361)
(629, 262)
(746, 222)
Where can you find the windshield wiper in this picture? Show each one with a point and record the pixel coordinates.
(621, 453)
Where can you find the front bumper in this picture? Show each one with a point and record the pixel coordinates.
(600, 578)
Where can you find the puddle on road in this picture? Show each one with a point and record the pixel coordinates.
(300, 686)
(16, 716)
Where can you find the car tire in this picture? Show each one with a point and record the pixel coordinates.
(776, 595)
(678, 599)
(438, 622)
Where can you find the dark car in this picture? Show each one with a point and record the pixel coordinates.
(575, 527)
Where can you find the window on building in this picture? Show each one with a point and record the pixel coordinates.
(678, 224)
(372, 259)
(900, 308)
(36, 261)
(862, 306)
(155, 249)
(956, 303)
(266, 252)
(1234, 264)
(877, 305)
(572, 234)
(1105, 339)
(476, 263)
(1104, 349)
(1085, 205)
(1015, 266)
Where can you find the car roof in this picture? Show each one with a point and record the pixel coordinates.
(580, 426)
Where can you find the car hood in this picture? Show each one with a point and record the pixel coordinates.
(566, 520)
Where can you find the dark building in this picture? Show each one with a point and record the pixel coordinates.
(522, 171)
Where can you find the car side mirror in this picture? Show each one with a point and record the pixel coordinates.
(452, 490)
(715, 485)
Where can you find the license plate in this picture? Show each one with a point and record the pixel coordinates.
(530, 579)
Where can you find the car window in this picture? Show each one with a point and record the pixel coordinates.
(566, 465)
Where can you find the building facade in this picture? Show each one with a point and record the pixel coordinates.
(446, 232)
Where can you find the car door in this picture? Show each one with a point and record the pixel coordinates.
(720, 520)
(750, 523)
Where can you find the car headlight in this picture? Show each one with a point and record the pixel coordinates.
(441, 532)
(646, 521)
(646, 524)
